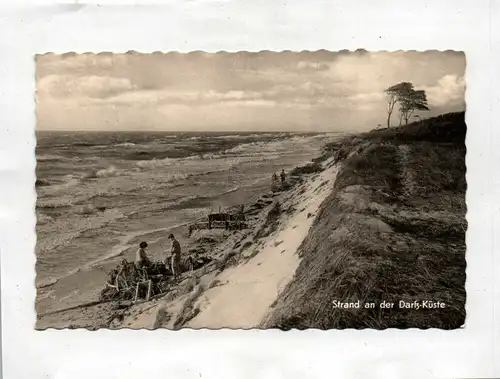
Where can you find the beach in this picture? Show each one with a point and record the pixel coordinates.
(101, 194)
(290, 180)
(332, 217)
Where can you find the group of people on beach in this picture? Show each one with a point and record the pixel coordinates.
(282, 177)
(174, 260)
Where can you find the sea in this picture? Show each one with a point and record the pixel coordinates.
(98, 191)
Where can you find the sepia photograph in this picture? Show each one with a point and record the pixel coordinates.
(251, 190)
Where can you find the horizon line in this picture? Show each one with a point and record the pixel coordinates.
(184, 131)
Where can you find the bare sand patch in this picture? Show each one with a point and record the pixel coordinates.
(250, 288)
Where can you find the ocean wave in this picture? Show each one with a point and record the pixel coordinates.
(203, 156)
(115, 252)
(46, 295)
(125, 144)
(168, 162)
(50, 186)
(47, 282)
(71, 180)
(169, 178)
(234, 189)
(43, 218)
(253, 135)
(154, 163)
(258, 148)
(51, 158)
(189, 202)
(245, 149)
(208, 172)
(86, 209)
(274, 135)
(43, 182)
(107, 172)
(82, 144)
(55, 203)
(228, 136)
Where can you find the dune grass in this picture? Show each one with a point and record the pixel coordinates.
(189, 311)
(309, 168)
(393, 229)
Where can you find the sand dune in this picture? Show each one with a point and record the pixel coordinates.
(249, 289)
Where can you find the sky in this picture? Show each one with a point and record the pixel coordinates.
(265, 91)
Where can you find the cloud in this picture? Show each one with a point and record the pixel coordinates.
(103, 64)
(67, 86)
(369, 73)
(172, 96)
(373, 72)
(253, 103)
(367, 97)
(235, 90)
(314, 66)
(140, 98)
(231, 95)
(449, 90)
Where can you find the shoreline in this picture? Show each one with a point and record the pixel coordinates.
(357, 223)
(86, 312)
(86, 279)
(201, 204)
(70, 237)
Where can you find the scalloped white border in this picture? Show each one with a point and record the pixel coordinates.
(234, 25)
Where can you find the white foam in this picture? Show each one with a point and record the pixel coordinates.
(125, 144)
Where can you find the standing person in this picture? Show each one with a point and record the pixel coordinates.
(275, 178)
(175, 259)
(141, 258)
(283, 177)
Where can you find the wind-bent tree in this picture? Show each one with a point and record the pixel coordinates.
(412, 101)
(394, 95)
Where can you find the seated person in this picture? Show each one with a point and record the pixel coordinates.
(141, 258)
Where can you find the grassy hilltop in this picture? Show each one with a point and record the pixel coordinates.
(393, 228)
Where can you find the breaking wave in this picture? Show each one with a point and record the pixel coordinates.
(107, 172)
(43, 218)
(47, 282)
(51, 158)
(54, 203)
(125, 144)
(154, 163)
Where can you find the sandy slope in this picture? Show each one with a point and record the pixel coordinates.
(247, 291)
